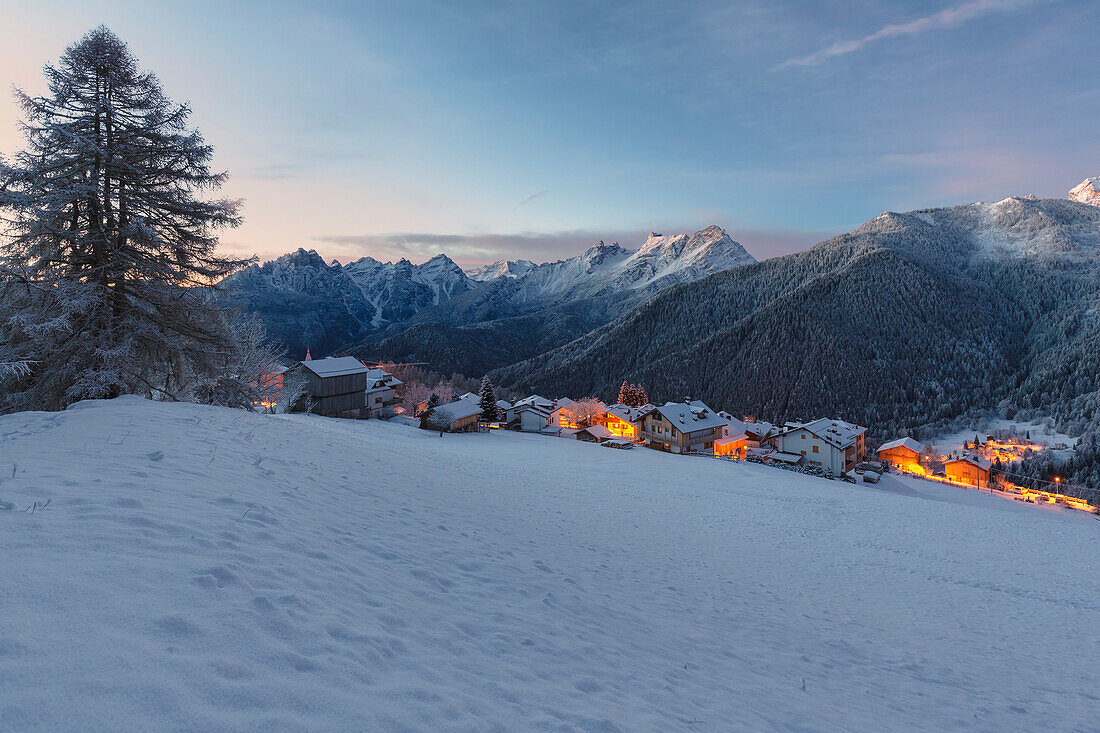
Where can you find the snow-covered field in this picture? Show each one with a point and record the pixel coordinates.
(205, 569)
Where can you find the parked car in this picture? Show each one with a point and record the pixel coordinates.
(619, 443)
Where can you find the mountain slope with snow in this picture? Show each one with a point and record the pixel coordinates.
(399, 290)
(606, 269)
(1086, 192)
(201, 568)
(305, 302)
(904, 324)
(320, 308)
(500, 268)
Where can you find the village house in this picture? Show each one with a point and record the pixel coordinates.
(903, 454)
(760, 435)
(335, 385)
(513, 410)
(382, 391)
(967, 468)
(458, 416)
(733, 443)
(562, 414)
(682, 427)
(834, 445)
(590, 434)
(531, 415)
(623, 421)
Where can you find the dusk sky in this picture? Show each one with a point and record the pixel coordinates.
(502, 130)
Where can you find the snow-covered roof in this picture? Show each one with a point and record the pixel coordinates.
(467, 395)
(901, 443)
(973, 460)
(534, 400)
(596, 431)
(335, 366)
(504, 404)
(760, 429)
(837, 433)
(381, 377)
(630, 414)
(785, 457)
(542, 411)
(690, 416)
(460, 409)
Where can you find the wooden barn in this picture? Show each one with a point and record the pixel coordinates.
(459, 416)
(903, 454)
(336, 385)
(969, 469)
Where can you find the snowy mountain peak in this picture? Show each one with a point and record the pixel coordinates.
(599, 253)
(662, 260)
(711, 245)
(500, 268)
(1086, 192)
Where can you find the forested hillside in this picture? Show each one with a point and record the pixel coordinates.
(480, 347)
(907, 322)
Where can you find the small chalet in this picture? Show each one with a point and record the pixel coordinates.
(733, 442)
(623, 421)
(382, 388)
(458, 416)
(592, 434)
(336, 385)
(682, 427)
(834, 445)
(530, 415)
(967, 468)
(562, 414)
(903, 454)
(760, 434)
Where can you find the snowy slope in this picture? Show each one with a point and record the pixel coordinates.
(200, 568)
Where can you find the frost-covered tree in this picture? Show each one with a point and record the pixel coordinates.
(487, 401)
(587, 411)
(428, 417)
(110, 238)
(632, 395)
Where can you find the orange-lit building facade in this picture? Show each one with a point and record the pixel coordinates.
(967, 469)
(619, 427)
(903, 454)
(733, 446)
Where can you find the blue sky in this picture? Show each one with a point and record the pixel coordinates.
(495, 129)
